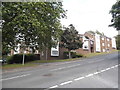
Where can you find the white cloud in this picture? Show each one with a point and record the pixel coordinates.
(89, 15)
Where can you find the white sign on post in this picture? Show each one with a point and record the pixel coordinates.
(55, 50)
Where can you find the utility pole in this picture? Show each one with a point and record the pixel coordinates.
(24, 46)
(23, 61)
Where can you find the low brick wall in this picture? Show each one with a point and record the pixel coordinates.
(49, 57)
(81, 51)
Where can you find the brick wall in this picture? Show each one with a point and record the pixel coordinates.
(49, 57)
(82, 51)
(106, 44)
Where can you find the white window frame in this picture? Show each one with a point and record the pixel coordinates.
(103, 50)
(103, 44)
(102, 38)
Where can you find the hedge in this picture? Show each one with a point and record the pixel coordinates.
(17, 58)
(73, 55)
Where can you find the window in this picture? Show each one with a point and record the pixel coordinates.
(108, 45)
(107, 39)
(103, 44)
(55, 52)
(103, 50)
(102, 38)
(91, 42)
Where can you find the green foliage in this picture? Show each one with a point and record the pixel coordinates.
(102, 34)
(97, 32)
(17, 58)
(115, 11)
(92, 32)
(70, 38)
(79, 55)
(34, 23)
(65, 54)
(73, 55)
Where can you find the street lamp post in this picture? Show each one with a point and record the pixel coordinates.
(23, 61)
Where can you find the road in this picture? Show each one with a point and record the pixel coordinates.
(95, 72)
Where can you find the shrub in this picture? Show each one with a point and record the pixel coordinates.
(17, 58)
(66, 55)
(79, 55)
(73, 55)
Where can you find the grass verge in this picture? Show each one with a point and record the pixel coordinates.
(14, 66)
(101, 53)
(34, 63)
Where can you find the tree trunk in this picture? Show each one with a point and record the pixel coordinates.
(46, 53)
(69, 54)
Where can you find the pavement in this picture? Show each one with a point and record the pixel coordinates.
(94, 72)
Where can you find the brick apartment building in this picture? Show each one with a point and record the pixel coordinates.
(92, 43)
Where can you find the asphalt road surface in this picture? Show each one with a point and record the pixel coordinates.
(95, 72)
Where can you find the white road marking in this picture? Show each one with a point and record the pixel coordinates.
(73, 65)
(103, 70)
(113, 67)
(66, 83)
(78, 78)
(96, 61)
(116, 65)
(107, 69)
(14, 77)
(58, 69)
(62, 63)
(89, 75)
(54, 86)
(96, 73)
(65, 67)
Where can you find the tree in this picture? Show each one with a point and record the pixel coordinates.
(96, 32)
(102, 34)
(115, 11)
(92, 32)
(70, 39)
(118, 42)
(34, 23)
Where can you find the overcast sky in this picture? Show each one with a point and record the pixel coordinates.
(88, 15)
